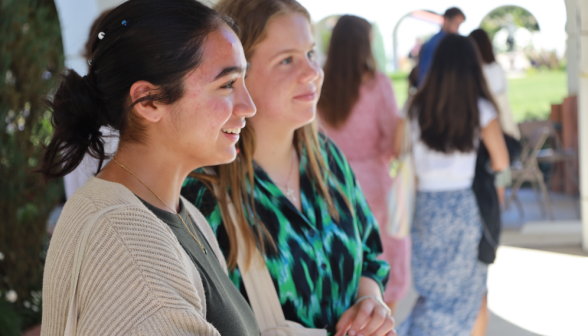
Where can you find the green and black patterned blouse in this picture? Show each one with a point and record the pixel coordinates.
(320, 260)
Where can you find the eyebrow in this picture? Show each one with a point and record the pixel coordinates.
(288, 51)
(231, 70)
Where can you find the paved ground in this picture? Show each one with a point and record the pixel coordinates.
(565, 208)
(538, 285)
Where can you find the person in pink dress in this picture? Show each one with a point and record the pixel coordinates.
(357, 110)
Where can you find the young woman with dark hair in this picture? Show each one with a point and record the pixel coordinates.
(293, 193)
(87, 168)
(449, 115)
(496, 80)
(358, 111)
(169, 76)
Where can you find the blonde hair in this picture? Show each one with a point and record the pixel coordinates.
(252, 17)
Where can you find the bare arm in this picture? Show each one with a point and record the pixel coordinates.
(494, 141)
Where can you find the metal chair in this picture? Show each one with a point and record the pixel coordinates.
(527, 170)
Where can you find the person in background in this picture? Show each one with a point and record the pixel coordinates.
(413, 79)
(449, 115)
(452, 19)
(294, 194)
(498, 85)
(496, 80)
(89, 165)
(357, 109)
(169, 76)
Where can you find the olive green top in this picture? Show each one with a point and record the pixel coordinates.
(226, 309)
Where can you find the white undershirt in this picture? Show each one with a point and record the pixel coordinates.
(496, 79)
(89, 165)
(437, 171)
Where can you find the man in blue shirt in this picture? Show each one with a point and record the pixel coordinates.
(452, 19)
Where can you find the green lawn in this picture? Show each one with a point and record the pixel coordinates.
(530, 96)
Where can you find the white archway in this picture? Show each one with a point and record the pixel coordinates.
(387, 14)
(555, 19)
(415, 14)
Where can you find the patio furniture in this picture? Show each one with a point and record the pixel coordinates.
(564, 175)
(534, 135)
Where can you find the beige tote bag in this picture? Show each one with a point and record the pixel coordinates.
(72, 316)
(262, 293)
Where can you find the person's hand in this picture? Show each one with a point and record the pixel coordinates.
(368, 317)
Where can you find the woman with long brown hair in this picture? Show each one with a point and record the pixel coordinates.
(129, 256)
(293, 193)
(452, 111)
(358, 111)
(496, 80)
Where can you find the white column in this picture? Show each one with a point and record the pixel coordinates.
(583, 118)
(573, 46)
(107, 4)
(76, 18)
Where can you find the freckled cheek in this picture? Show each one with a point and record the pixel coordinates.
(270, 94)
(217, 114)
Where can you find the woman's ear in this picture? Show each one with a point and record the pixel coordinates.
(148, 109)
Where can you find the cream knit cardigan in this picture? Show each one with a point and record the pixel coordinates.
(135, 279)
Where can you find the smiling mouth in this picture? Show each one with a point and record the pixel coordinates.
(306, 96)
(231, 130)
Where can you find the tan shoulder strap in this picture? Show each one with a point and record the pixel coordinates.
(261, 291)
(256, 278)
(260, 288)
(72, 316)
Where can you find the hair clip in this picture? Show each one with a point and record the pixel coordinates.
(90, 62)
(125, 23)
(101, 35)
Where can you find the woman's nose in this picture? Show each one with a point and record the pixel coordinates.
(311, 71)
(244, 107)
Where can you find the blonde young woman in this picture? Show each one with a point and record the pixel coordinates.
(167, 74)
(294, 193)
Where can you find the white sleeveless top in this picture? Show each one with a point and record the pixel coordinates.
(437, 171)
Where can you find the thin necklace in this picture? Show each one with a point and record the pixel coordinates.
(290, 193)
(170, 209)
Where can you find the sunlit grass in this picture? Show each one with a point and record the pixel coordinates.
(530, 96)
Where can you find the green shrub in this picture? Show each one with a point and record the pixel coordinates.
(31, 56)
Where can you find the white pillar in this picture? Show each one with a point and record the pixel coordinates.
(76, 18)
(583, 118)
(573, 45)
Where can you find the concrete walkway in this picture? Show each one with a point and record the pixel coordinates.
(533, 292)
(538, 284)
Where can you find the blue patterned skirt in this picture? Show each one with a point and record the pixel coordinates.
(448, 277)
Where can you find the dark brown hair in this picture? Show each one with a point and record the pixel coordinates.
(159, 41)
(446, 106)
(482, 41)
(348, 60)
(94, 30)
(452, 12)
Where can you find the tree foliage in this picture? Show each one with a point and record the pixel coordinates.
(499, 18)
(31, 55)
